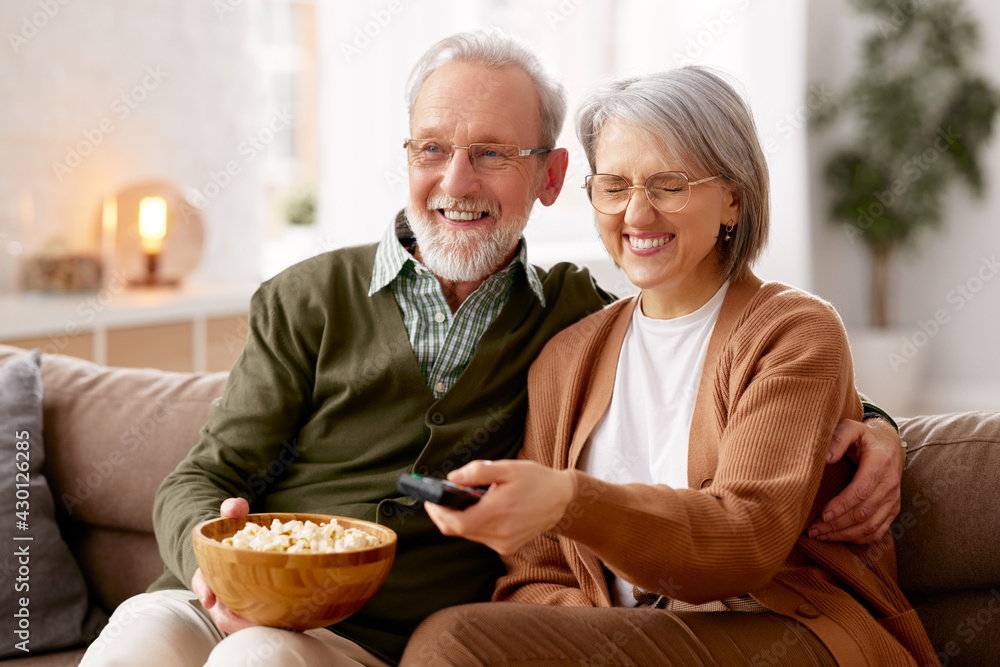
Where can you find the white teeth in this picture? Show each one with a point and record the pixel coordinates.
(645, 244)
(462, 216)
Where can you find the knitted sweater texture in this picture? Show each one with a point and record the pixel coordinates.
(327, 406)
(776, 381)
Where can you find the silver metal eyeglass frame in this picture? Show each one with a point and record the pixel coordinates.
(521, 152)
(645, 188)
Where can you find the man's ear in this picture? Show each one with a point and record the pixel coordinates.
(554, 173)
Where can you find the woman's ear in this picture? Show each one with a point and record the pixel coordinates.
(731, 205)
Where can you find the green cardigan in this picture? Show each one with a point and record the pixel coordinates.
(327, 406)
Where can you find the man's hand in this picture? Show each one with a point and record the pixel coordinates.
(525, 500)
(865, 509)
(225, 619)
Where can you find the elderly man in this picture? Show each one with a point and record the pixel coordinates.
(408, 355)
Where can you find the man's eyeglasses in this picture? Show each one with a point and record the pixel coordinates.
(667, 191)
(434, 154)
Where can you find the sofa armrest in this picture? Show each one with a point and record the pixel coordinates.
(946, 532)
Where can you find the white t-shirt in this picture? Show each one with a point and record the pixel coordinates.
(643, 437)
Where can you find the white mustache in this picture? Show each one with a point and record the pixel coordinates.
(465, 204)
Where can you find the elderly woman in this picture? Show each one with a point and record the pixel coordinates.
(675, 443)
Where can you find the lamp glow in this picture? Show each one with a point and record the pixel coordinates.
(152, 224)
(109, 216)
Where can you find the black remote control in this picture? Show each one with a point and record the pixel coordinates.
(438, 491)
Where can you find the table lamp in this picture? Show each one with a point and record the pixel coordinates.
(152, 231)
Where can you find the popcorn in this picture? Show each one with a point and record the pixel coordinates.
(301, 537)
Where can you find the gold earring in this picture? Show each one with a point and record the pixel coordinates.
(729, 230)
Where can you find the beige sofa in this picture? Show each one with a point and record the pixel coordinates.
(111, 435)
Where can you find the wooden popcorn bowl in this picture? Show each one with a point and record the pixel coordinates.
(295, 591)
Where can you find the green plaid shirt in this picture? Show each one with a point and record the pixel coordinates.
(442, 341)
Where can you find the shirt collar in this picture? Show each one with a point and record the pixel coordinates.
(393, 253)
(396, 248)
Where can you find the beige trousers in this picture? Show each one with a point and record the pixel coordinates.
(172, 629)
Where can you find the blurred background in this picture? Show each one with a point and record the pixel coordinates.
(272, 130)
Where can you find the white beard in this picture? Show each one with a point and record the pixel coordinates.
(465, 255)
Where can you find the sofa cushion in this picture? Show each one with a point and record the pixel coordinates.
(946, 532)
(115, 433)
(118, 564)
(45, 605)
(964, 626)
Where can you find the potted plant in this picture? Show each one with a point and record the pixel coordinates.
(299, 237)
(919, 118)
(916, 117)
(300, 206)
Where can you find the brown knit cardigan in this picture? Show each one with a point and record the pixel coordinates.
(776, 381)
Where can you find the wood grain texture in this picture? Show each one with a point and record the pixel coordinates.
(295, 591)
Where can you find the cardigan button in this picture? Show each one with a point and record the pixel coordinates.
(807, 611)
(437, 418)
(423, 470)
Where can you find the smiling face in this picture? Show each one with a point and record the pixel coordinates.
(671, 257)
(468, 222)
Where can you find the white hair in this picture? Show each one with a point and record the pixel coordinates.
(495, 48)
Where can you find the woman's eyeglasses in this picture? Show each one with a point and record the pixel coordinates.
(667, 191)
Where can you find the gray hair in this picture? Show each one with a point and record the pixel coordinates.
(708, 128)
(495, 48)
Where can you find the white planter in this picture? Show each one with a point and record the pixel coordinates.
(889, 367)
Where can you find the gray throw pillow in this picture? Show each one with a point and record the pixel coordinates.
(43, 596)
